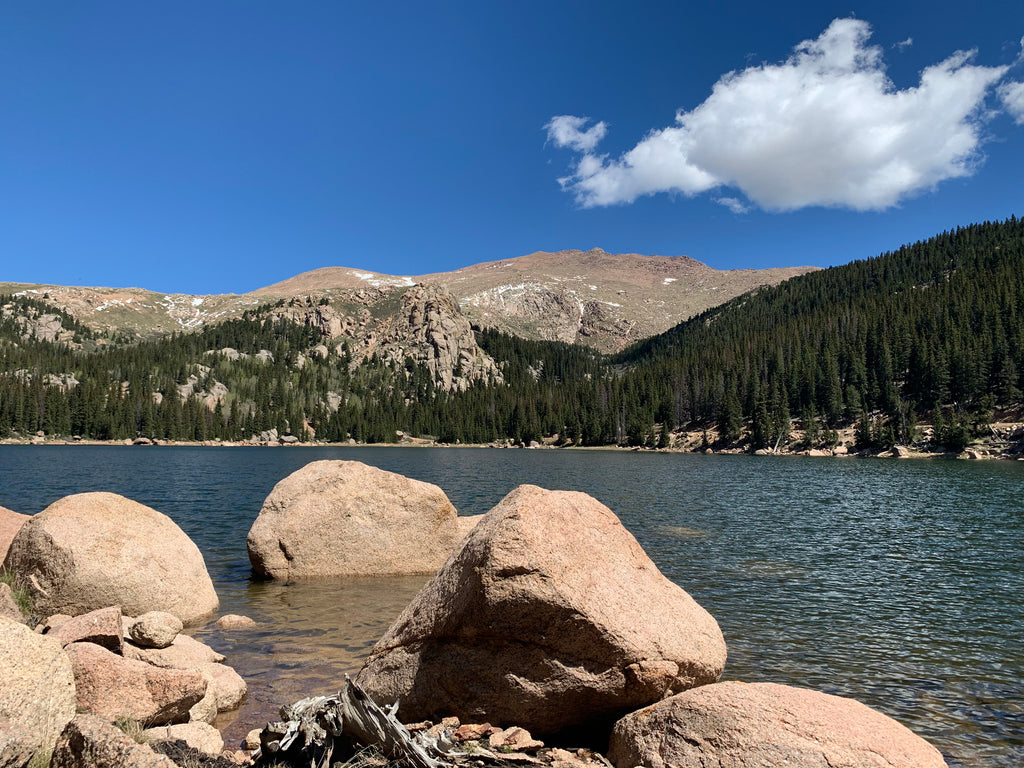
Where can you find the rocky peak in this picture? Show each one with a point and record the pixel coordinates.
(431, 329)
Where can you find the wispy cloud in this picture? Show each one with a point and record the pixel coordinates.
(565, 131)
(1012, 96)
(733, 204)
(825, 127)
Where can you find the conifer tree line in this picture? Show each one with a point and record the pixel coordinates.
(932, 331)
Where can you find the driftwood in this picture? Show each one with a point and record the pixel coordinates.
(312, 729)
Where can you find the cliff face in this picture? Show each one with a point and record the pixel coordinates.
(422, 323)
(430, 328)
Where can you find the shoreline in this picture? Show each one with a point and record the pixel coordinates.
(975, 452)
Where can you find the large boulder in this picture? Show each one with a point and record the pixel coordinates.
(549, 615)
(113, 687)
(10, 524)
(93, 550)
(37, 687)
(739, 725)
(344, 518)
(89, 741)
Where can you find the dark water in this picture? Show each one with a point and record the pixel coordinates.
(898, 583)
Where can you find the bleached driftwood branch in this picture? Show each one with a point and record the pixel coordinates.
(312, 725)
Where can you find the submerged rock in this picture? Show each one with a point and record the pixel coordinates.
(94, 550)
(344, 518)
(738, 725)
(549, 615)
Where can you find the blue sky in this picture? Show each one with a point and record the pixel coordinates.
(222, 146)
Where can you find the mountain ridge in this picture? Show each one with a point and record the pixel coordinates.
(606, 301)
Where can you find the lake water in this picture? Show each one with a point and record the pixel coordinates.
(898, 583)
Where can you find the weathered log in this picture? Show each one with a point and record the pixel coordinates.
(310, 728)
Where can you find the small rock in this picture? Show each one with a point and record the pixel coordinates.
(252, 739)
(233, 621)
(200, 736)
(205, 710)
(450, 722)
(102, 627)
(517, 739)
(238, 757)
(156, 629)
(228, 686)
(472, 732)
(184, 653)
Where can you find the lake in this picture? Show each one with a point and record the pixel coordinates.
(898, 583)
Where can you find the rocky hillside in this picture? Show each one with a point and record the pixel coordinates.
(604, 300)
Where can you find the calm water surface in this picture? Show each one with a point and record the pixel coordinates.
(897, 583)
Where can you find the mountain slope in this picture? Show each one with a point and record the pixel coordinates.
(604, 300)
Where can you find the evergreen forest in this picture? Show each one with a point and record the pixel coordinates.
(932, 332)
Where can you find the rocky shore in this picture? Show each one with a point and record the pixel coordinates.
(546, 636)
(1005, 441)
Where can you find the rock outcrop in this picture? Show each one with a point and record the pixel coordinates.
(112, 687)
(37, 687)
(89, 741)
(93, 550)
(10, 524)
(549, 615)
(344, 518)
(430, 328)
(740, 725)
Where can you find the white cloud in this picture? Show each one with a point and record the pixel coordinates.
(1012, 95)
(733, 204)
(564, 131)
(826, 127)
(904, 44)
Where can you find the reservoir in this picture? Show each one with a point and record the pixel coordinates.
(897, 583)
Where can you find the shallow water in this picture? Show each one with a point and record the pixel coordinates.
(895, 582)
